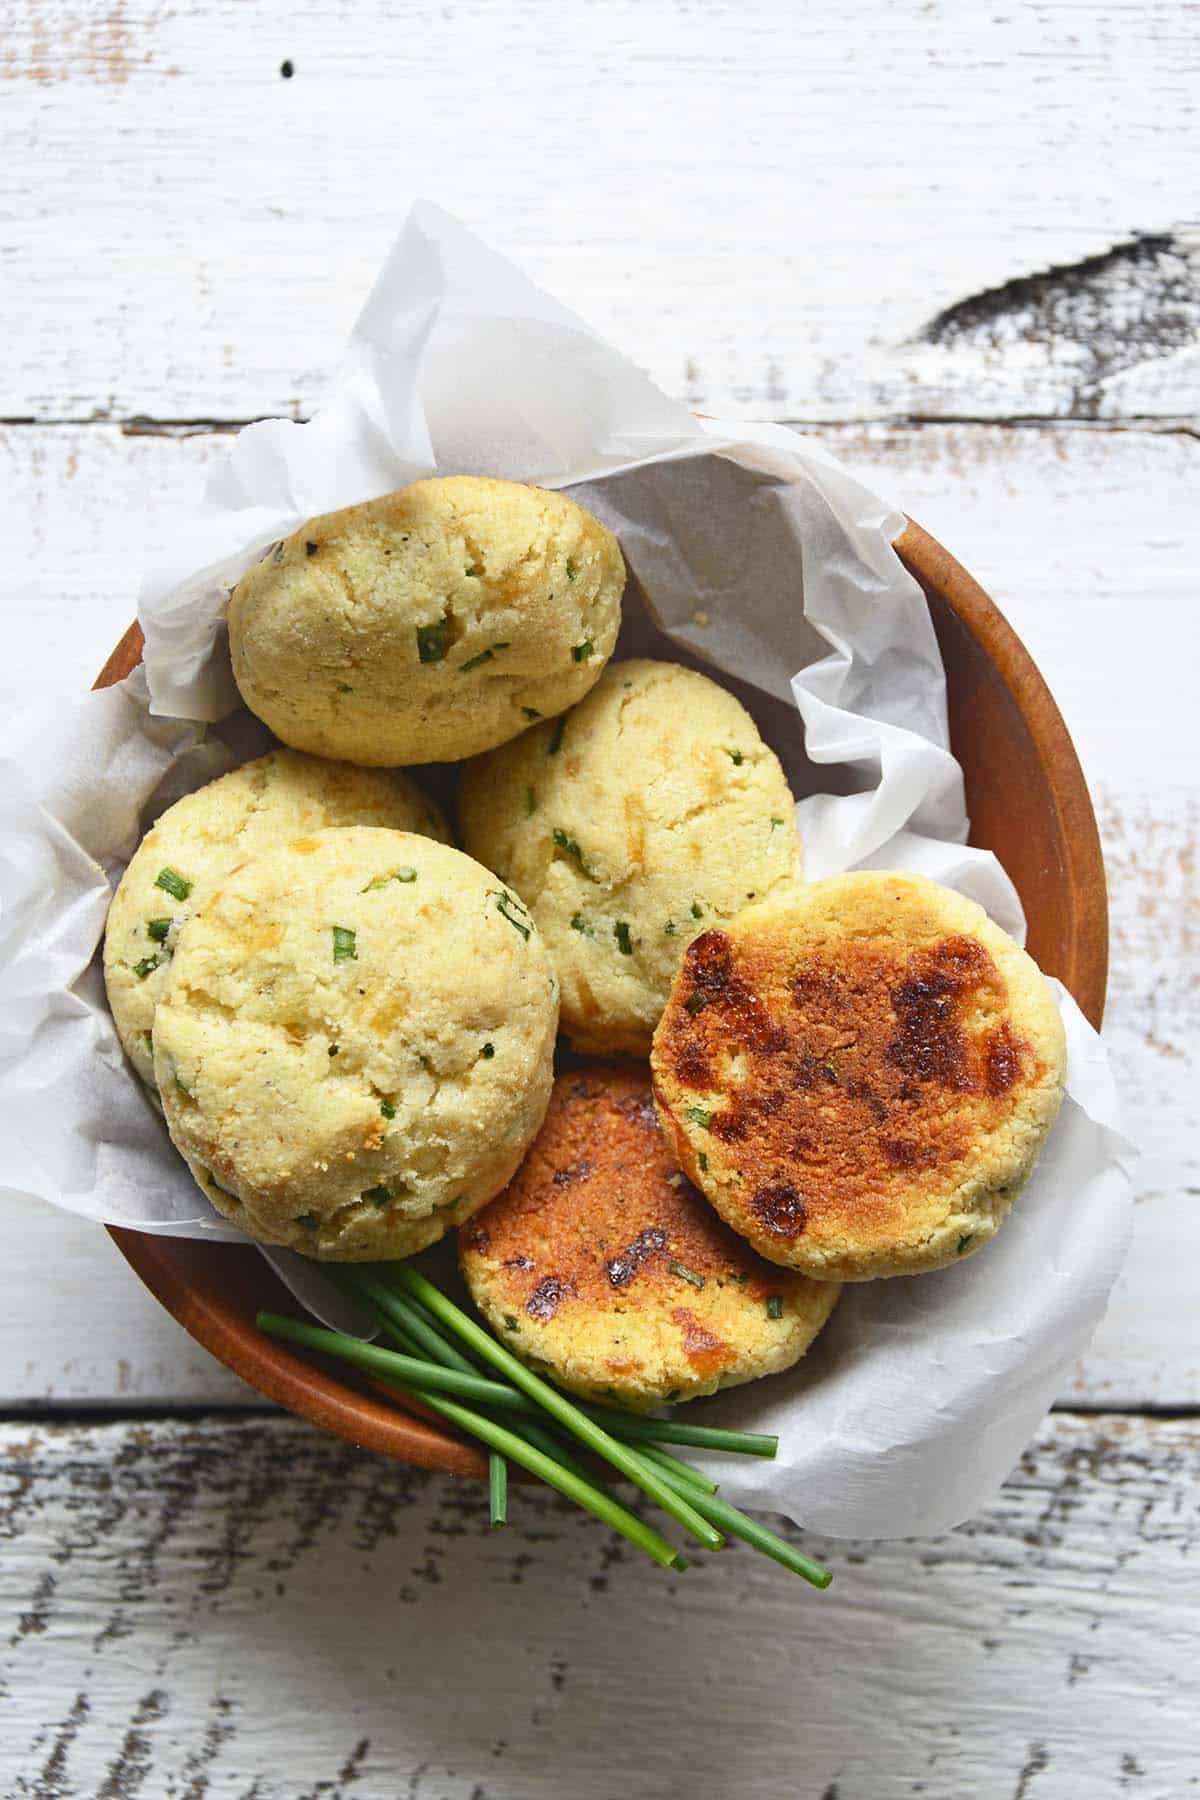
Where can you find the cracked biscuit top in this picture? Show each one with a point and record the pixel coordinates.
(193, 843)
(645, 816)
(355, 1046)
(860, 1076)
(430, 624)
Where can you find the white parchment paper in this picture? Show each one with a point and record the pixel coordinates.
(752, 554)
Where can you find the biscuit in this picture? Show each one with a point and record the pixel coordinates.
(601, 1263)
(860, 1077)
(193, 843)
(651, 812)
(355, 1047)
(430, 624)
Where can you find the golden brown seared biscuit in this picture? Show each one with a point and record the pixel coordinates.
(193, 844)
(602, 1264)
(860, 1077)
(652, 811)
(427, 625)
(356, 1043)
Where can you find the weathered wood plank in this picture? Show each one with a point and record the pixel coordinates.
(825, 211)
(236, 1609)
(1090, 540)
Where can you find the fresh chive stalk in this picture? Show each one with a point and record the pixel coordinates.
(673, 1431)
(497, 1467)
(556, 1475)
(497, 1490)
(414, 1331)
(389, 1363)
(649, 1479)
(741, 1525)
(677, 1468)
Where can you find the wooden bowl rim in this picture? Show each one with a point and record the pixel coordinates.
(312, 1391)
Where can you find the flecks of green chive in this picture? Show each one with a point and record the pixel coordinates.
(378, 1196)
(344, 944)
(433, 641)
(698, 1115)
(569, 845)
(147, 966)
(503, 903)
(173, 883)
(624, 941)
(158, 929)
(581, 652)
(555, 744)
(484, 656)
(387, 1109)
(686, 1274)
(774, 1306)
(404, 874)
(696, 1002)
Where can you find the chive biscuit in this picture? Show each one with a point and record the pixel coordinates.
(649, 813)
(601, 1262)
(860, 1076)
(192, 845)
(427, 625)
(355, 1046)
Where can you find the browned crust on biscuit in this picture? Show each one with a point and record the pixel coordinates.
(828, 1087)
(600, 1223)
(600, 1207)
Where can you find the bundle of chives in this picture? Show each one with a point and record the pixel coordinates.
(645, 1475)
(409, 1325)
(408, 1320)
(411, 1328)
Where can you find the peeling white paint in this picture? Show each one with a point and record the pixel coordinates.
(223, 1609)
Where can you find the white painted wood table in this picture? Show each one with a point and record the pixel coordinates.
(954, 243)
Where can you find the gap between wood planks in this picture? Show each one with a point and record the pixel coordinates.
(135, 425)
(167, 1412)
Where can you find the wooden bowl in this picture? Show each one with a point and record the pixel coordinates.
(1028, 802)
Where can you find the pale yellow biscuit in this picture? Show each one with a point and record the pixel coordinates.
(651, 812)
(602, 1264)
(860, 1076)
(356, 1043)
(193, 843)
(430, 624)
